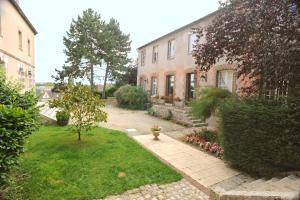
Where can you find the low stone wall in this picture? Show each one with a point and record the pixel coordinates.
(170, 112)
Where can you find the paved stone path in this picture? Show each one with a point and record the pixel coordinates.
(204, 169)
(122, 119)
(181, 190)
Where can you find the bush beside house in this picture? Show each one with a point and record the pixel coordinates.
(210, 98)
(18, 119)
(261, 136)
(131, 97)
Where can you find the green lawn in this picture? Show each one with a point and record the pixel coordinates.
(57, 166)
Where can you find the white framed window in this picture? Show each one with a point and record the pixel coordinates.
(155, 54)
(30, 72)
(28, 47)
(0, 26)
(143, 57)
(143, 83)
(21, 72)
(225, 79)
(20, 40)
(192, 41)
(171, 48)
(154, 86)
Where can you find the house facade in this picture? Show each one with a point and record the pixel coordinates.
(167, 69)
(17, 44)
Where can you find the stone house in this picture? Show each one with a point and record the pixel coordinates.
(167, 70)
(17, 44)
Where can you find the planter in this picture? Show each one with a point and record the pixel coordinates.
(160, 101)
(179, 104)
(156, 134)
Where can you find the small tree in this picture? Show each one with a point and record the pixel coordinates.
(84, 106)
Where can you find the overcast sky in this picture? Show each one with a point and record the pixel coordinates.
(144, 20)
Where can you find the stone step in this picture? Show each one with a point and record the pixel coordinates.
(196, 120)
(255, 195)
(287, 182)
(197, 125)
(233, 182)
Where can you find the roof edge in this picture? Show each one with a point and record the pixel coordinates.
(181, 28)
(20, 11)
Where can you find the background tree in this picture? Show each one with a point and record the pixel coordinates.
(91, 42)
(85, 44)
(84, 106)
(261, 38)
(116, 57)
(129, 76)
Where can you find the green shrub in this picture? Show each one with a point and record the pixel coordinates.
(18, 119)
(151, 112)
(210, 98)
(169, 116)
(261, 137)
(131, 97)
(62, 118)
(109, 92)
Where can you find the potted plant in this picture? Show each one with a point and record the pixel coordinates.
(155, 99)
(161, 100)
(156, 131)
(169, 100)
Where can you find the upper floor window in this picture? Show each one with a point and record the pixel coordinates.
(0, 26)
(28, 47)
(143, 57)
(155, 54)
(20, 40)
(192, 41)
(171, 48)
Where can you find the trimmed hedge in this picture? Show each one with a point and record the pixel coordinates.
(131, 97)
(18, 119)
(261, 137)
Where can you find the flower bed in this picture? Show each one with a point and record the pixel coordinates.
(208, 146)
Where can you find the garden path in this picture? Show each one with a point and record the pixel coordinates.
(136, 122)
(202, 169)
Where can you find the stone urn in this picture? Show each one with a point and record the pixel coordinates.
(156, 131)
(156, 134)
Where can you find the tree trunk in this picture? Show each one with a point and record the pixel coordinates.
(92, 77)
(79, 135)
(104, 84)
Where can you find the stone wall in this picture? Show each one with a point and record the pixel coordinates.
(170, 112)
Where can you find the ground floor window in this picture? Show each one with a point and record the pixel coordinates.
(154, 86)
(225, 79)
(170, 87)
(190, 86)
(143, 83)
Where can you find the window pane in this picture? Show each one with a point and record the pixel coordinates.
(225, 79)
